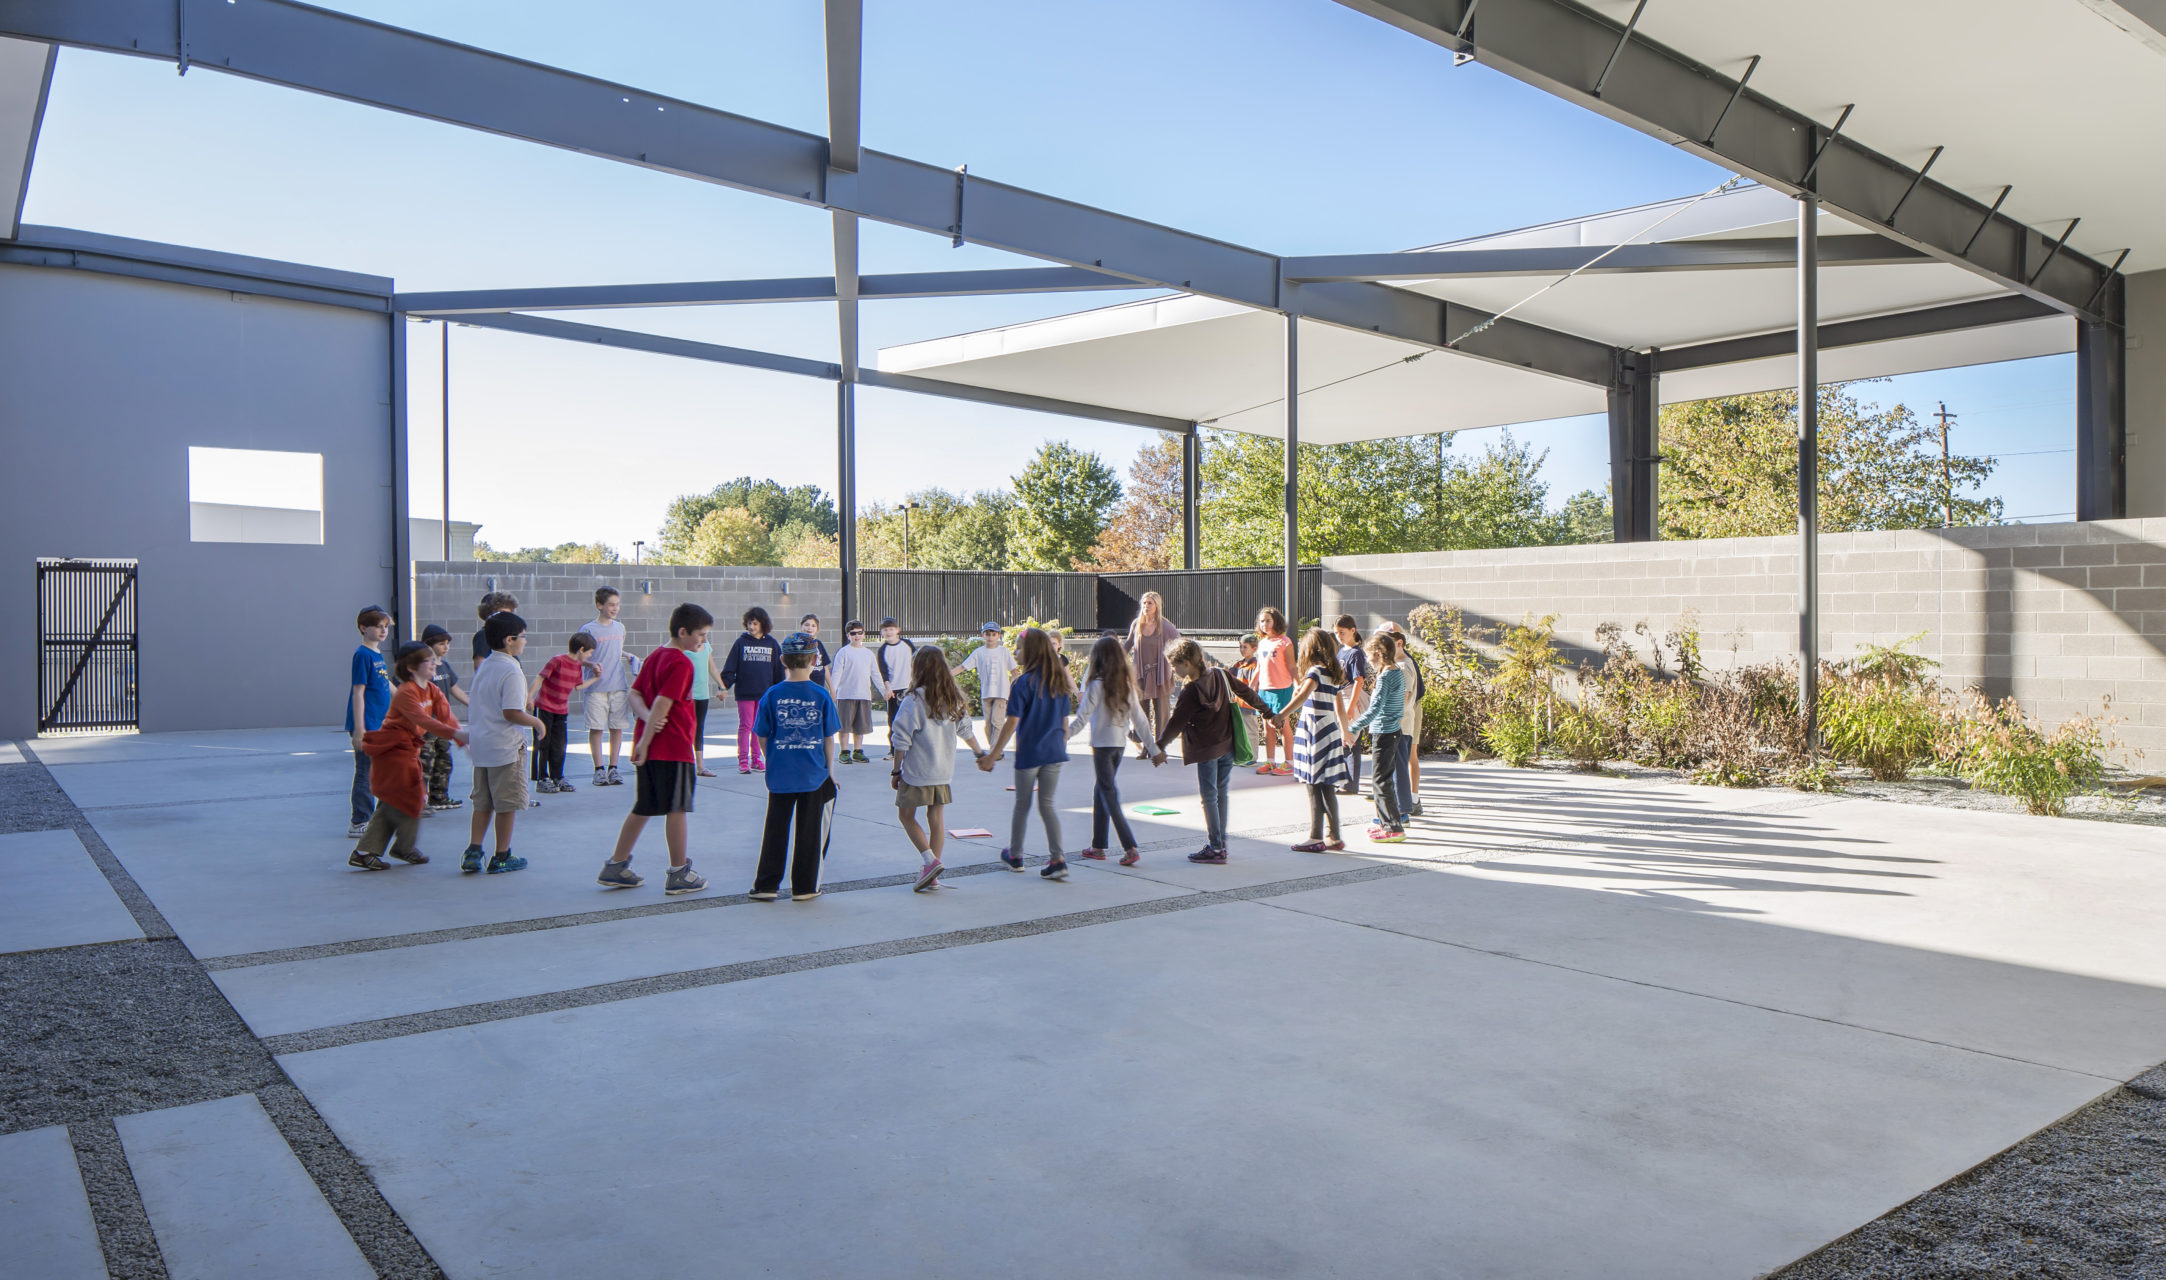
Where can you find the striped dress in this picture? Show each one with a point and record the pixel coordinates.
(1319, 755)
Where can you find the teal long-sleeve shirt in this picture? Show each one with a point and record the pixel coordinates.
(1386, 705)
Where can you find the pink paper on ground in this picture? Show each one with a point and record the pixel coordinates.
(968, 832)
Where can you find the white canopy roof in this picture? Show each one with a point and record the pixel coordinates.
(1220, 363)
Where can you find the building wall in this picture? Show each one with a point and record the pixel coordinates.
(2061, 616)
(2147, 394)
(426, 537)
(105, 382)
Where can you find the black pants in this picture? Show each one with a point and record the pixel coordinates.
(1323, 811)
(1106, 799)
(1353, 765)
(1390, 806)
(812, 811)
(550, 759)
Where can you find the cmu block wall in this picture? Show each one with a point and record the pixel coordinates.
(2060, 616)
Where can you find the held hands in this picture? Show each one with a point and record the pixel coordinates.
(459, 737)
(894, 780)
(1158, 759)
(986, 762)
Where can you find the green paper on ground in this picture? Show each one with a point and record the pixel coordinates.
(1152, 810)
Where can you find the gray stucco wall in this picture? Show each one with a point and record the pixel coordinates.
(104, 383)
(2147, 394)
(2061, 616)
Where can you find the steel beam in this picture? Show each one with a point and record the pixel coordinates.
(319, 51)
(1808, 464)
(1634, 451)
(710, 293)
(846, 499)
(110, 255)
(1952, 317)
(2102, 416)
(1560, 46)
(1191, 476)
(402, 528)
(1020, 400)
(26, 81)
(1292, 460)
(1704, 255)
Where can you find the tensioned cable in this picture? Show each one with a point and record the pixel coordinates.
(1453, 343)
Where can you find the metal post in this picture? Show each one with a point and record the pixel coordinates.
(447, 441)
(402, 532)
(2102, 414)
(1808, 461)
(1191, 475)
(1293, 469)
(846, 493)
(1634, 456)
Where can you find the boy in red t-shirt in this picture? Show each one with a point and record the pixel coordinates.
(550, 697)
(662, 758)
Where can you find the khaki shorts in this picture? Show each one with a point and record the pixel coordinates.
(855, 715)
(501, 788)
(923, 797)
(609, 710)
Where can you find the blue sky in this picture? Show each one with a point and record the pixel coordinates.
(1295, 126)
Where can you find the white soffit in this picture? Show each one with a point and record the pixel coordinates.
(23, 79)
(2062, 99)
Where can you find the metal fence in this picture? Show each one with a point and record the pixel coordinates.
(86, 644)
(958, 601)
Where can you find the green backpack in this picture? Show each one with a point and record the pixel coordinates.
(1243, 752)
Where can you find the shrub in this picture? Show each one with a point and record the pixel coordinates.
(1662, 724)
(1580, 735)
(1881, 722)
(1452, 714)
(1810, 775)
(2004, 751)
(1514, 735)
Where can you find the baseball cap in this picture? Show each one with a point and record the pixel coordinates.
(432, 633)
(990, 626)
(798, 642)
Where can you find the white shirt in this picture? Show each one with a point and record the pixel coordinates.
(1107, 729)
(609, 656)
(894, 663)
(850, 676)
(926, 747)
(994, 664)
(498, 686)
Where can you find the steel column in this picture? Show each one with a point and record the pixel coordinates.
(1808, 462)
(1191, 477)
(447, 441)
(2102, 414)
(1293, 470)
(402, 532)
(1634, 451)
(846, 493)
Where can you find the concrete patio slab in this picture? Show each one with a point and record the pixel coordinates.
(56, 895)
(1236, 1089)
(227, 1198)
(44, 1212)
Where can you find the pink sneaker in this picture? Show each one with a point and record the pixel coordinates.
(1095, 855)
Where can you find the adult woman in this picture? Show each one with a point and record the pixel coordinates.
(1149, 636)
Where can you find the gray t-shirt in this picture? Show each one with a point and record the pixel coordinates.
(609, 656)
(498, 687)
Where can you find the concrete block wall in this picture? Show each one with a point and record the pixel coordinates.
(2061, 616)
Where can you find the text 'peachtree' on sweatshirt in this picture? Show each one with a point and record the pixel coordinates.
(754, 666)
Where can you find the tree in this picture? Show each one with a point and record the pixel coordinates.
(810, 550)
(1144, 531)
(562, 553)
(730, 535)
(1584, 517)
(1061, 501)
(775, 506)
(1729, 468)
(975, 537)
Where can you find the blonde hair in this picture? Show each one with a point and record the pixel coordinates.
(935, 685)
(1037, 654)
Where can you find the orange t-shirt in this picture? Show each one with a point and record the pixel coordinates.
(1275, 656)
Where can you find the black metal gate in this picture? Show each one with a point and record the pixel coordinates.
(86, 644)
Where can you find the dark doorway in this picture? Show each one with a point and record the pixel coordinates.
(86, 644)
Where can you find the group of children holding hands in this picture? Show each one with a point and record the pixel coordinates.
(796, 703)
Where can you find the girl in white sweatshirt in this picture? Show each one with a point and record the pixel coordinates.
(921, 742)
(1113, 711)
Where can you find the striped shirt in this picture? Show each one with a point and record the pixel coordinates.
(1386, 704)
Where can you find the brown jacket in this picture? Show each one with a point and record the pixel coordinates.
(1203, 717)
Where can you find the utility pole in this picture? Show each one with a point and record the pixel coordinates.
(1947, 485)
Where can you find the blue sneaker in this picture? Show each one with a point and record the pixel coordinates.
(502, 861)
(683, 880)
(471, 862)
(1057, 869)
(619, 875)
(1015, 862)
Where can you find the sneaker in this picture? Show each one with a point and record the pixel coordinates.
(427, 812)
(566, 786)
(1334, 846)
(1377, 831)
(1390, 837)
(1014, 861)
(619, 875)
(759, 766)
(1264, 771)
(1056, 868)
(470, 861)
(859, 757)
(1309, 846)
(744, 769)
(548, 787)
(1095, 855)
(1413, 811)
(683, 880)
(804, 897)
(412, 857)
(356, 830)
(367, 862)
(502, 861)
(614, 780)
(1209, 856)
(1131, 858)
(601, 776)
(532, 803)
(763, 895)
(928, 877)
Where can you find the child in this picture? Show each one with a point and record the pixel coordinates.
(1319, 755)
(853, 679)
(1203, 720)
(551, 695)
(1382, 720)
(754, 667)
(704, 679)
(923, 748)
(1113, 707)
(436, 751)
(994, 665)
(498, 748)
(893, 658)
(417, 709)
(492, 604)
(1409, 723)
(662, 762)
(796, 722)
(1038, 704)
(1244, 670)
(1275, 682)
(1353, 692)
(366, 703)
(609, 702)
(810, 625)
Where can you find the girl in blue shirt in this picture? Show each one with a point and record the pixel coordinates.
(1038, 706)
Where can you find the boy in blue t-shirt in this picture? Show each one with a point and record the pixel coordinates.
(796, 724)
(366, 703)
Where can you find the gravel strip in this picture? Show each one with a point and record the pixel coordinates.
(369, 1218)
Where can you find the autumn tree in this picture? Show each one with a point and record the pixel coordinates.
(729, 535)
(785, 512)
(562, 553)
(1144, 531)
